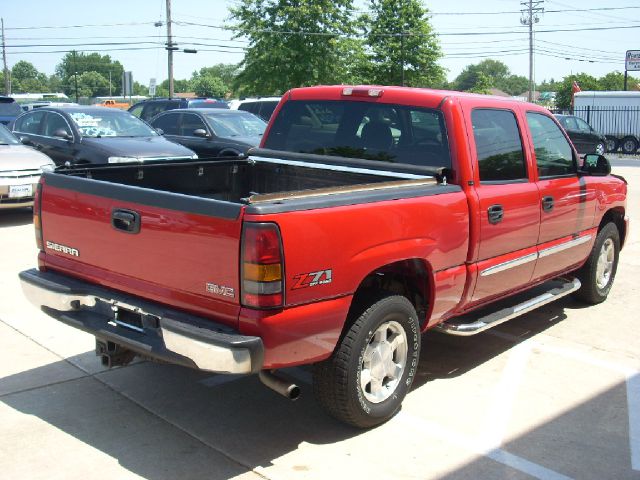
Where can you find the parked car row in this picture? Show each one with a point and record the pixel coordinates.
(159, 129)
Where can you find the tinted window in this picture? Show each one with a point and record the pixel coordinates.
(569, 123)
(385, 132)
(583, 126)
(6, 137)
(168, 123)
(154, 108)
(53, 122)
(498, 145)
(9, 107)
(191, 122)
(266, 109)
(29, 123)
(553, 152)
(244, 124)
(136, 110)
(252, 107)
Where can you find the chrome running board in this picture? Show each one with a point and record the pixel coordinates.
(469, 325)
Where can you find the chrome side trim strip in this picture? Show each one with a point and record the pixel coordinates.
(532, 257)
(564, 246)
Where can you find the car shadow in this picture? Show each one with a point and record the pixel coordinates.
(15, 217)
(132, 413)
(447, 356)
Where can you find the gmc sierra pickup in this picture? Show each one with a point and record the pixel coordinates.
(368, 216)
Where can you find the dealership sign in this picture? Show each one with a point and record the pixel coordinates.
(632, 61)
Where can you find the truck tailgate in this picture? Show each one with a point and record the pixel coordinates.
(167, 247)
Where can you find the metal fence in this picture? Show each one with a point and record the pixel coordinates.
(621, 125)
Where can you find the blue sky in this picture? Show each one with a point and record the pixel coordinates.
(465, 37)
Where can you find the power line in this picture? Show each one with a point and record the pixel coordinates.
(82, 26)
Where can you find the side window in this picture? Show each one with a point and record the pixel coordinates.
(583, 126)
(29, 123)
(154, 108)
(569, 123)
(191, 122)
(53, 122)
(137, 110)
(252, 107)
(554, 155)
(168, 123)
(498, 145)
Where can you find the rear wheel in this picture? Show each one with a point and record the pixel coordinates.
(612, 144)
(598, 273)
(629, 145)
(365, 380)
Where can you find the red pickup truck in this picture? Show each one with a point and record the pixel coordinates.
(368, 215)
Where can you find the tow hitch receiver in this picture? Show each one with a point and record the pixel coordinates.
(112, 354)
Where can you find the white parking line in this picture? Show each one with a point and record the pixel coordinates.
(633, 402)
(496, 454)
(505, 395)
(632, 380)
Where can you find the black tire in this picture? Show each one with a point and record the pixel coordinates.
(596, 286)
(337, 380)
(612, 144)
(629, 145)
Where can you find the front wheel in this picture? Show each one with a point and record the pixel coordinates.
(365, 380)
(598, 273)
(600, 148)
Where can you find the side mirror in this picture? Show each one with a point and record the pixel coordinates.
(200, 132)
(62, 133)
(160, 131)
(25, 140)
(596, 165)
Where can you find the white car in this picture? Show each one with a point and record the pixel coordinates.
(20, 170)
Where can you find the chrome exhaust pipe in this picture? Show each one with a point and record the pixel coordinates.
(279, 384)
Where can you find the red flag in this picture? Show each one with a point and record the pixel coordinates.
(575, 88)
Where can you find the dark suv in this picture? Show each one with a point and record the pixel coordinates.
(148, 109)
(9, 110)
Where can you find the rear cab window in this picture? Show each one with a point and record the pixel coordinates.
(372, 131)
(498, 146)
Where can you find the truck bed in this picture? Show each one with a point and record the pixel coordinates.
(254, 179)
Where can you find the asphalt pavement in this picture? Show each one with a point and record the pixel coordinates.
(554, 395)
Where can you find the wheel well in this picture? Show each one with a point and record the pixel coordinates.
(409, 278)
(229, 152)
(615, 216)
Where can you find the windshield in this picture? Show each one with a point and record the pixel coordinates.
(6, 137)
(8, 107)
(110, 123)
(240, 125)
(371, 131)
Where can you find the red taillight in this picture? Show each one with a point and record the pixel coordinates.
(262, 266)
(37, 219)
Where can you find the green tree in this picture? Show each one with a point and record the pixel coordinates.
(226, 72)
(612, 81)
(548, 86)
(513, 84)
(482, 85)
(293, 43)
(564, 94)
(209, 86)
(26, 78)
(81, 62)
(402, 44)
(90, 84)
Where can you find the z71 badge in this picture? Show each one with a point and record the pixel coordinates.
(221, 290)
(312, 279)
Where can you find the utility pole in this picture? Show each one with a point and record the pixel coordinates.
(170, 49)
(7, 82)
(75, 74)
(530, 16)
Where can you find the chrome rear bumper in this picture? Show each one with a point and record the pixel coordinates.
(149, 329)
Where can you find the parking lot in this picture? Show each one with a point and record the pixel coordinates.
(553, 395)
